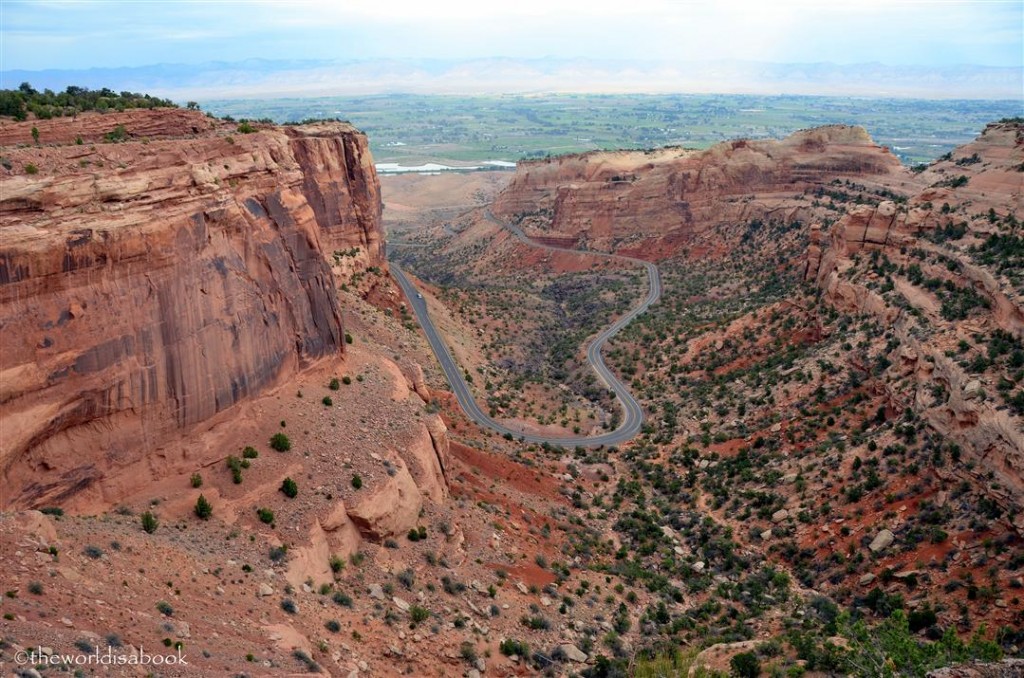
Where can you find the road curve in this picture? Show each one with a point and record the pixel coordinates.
(633, 415)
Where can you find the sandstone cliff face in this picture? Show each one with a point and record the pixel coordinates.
(955, 197)
(147, 286)
(636, 199)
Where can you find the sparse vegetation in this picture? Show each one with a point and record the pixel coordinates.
(289, 488)
(203, 508)
(149, 522)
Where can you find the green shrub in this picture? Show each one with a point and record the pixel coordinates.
(337, 564)
(246, 128)
(266, 515)
(745, 665)
(327, 401)
(510, 647)
(31, 169)
(165, 608)
(290, 488)
(196, 480)
(893, 645)
(335, 384)
(333, 625)
(235, 464)
(280, 442)
(119, 133)
(250, 453)
(203, 508)
(468, 652)
(149, 522)
(418, 614)
(536, 622)
(357, 481)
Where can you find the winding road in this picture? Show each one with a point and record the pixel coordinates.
(633, 415)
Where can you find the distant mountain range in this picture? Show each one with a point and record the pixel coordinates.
(283, 78)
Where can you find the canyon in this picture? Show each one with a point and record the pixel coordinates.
(194, 308)
(832, 376)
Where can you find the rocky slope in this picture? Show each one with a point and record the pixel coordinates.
(833, 381)
(150, 285)
(950, 273)
(653, 202)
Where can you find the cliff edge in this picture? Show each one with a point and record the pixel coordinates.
(148, 284)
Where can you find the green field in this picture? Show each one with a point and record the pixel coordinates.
(415, 128)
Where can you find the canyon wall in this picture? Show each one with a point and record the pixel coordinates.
(654, 200)
(905, 264)
(148, 285)
(909, 249)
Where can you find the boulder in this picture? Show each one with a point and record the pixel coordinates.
(390, 508)
(972, 390)
(882, 541)
(573, 653)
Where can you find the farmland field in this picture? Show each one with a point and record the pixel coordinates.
(412, 129)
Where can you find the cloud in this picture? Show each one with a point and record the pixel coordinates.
(62, 34)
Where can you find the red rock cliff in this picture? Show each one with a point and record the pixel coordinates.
(611, 200)
(146, 286)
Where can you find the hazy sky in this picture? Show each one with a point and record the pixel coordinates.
(86, 33)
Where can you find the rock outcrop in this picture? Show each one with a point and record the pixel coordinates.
(925, 254)
(654, 201)
(149, 285)
(390, 503)
(1007, 668)
(390, 508)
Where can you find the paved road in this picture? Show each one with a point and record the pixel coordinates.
(633, 415)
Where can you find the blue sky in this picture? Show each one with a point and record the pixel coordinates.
(83, 34)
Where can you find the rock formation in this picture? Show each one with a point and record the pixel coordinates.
(654, 200)
(149, 285)
(970, 195)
